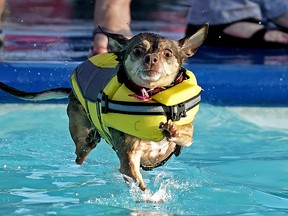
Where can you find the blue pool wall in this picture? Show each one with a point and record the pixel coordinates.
(222, 84)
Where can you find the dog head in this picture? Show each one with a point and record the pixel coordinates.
(153, 61)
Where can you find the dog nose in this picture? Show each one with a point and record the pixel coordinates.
(151, 58)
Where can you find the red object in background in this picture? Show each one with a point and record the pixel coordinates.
(33, 42)
(39, 12)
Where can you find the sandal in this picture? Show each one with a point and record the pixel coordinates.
(217, 37)
(101, 48)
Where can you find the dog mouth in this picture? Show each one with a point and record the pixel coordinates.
(150, 75)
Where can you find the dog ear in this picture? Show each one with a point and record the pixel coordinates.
(189, 45)
(116, 42)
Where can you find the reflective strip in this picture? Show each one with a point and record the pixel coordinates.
(192, 102)
(139, 108)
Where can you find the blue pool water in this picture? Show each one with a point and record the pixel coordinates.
(237, 165)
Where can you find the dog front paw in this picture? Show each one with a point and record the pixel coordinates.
(169, 129)
(93, 138)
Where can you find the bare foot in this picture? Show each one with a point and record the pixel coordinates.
(99, 44)
(246, 30)
(276, 36)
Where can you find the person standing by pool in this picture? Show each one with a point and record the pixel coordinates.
(2, 6)
(241, 22)
(232, 23)
(112, 15)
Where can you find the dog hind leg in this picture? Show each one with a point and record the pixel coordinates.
(130, 166)
(129, 153)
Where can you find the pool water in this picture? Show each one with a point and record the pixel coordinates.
(237, 165)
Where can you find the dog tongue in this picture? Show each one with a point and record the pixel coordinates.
(144, 97)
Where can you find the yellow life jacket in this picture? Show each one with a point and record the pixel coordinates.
(108, 104)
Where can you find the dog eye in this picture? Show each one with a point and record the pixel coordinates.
(138, 51)
(167, 53)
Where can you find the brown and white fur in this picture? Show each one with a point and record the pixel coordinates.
(150, 61)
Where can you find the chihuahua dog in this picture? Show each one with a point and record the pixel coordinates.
(149, 61)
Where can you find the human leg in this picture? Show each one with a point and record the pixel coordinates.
(112, 15)
(276, 11)
(2, 7)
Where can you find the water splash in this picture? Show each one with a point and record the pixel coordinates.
(161, 190)
(163, 193)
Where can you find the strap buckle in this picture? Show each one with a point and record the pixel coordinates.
(103, 98)
(177, 111)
